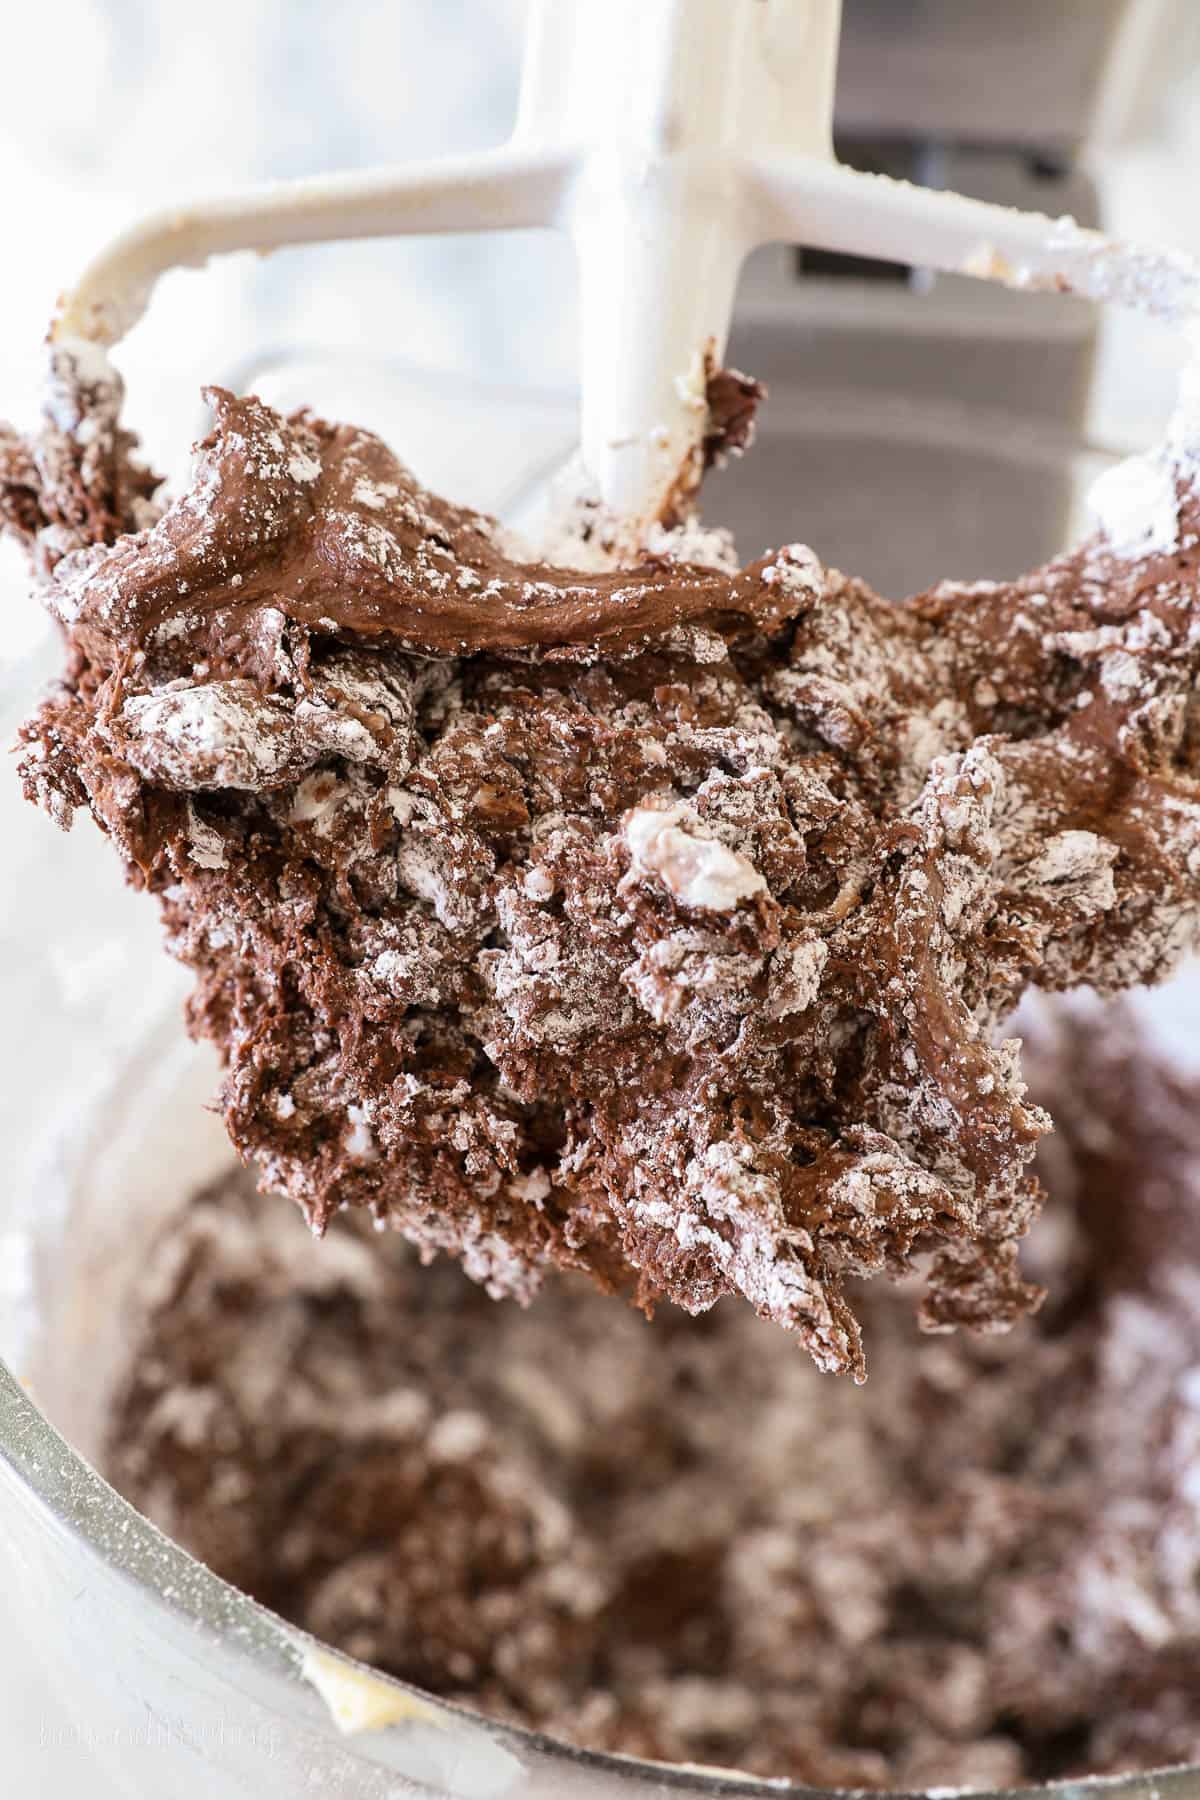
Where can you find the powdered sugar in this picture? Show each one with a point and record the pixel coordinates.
(206, 843)
(797, 570)
(1135, 506)
(712, 547)
(83, 390)
(698, 870)
(217, 734)
(1163, 283)
(316, 801)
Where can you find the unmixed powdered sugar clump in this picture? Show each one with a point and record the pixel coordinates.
(654, 922)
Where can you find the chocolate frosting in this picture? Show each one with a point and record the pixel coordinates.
(326, 524)
(659, 922)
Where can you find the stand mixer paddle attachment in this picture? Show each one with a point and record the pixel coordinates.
(668, 139)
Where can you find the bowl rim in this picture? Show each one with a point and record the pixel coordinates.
(75, 1498)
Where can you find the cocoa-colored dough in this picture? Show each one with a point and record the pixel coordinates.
(654, 923)
(677, 1539)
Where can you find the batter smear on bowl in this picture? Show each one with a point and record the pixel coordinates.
(655, 923)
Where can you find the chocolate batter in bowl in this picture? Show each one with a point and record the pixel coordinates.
(676, 1539)
(980, 1569)
(152, 1619)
